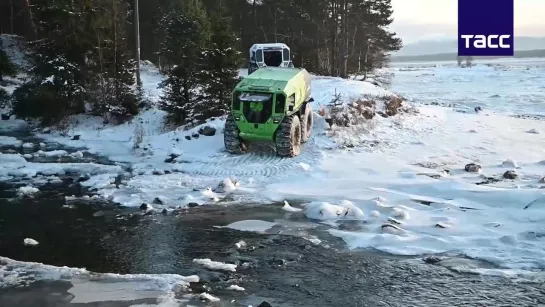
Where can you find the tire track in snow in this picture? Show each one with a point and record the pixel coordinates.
(259, 162)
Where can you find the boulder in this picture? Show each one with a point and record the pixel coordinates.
(510, 175)
(473, 168)
(207, 131)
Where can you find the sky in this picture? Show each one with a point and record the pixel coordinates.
(416, 20)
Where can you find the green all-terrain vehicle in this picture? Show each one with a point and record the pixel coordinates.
(270, 105)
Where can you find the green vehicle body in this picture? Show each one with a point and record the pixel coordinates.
(289, 90)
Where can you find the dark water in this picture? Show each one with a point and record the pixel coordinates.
(283, 269)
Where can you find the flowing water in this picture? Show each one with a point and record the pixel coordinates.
(281, 266)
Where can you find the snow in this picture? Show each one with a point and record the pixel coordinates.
(289, 208)
(215, 265)
(28, 190)
(402, 177)
(208, 297)
(236, 288)
(30, 242)
(15, 165)
(240, 244)
(10, 141)
(91, 287)
(250, 225)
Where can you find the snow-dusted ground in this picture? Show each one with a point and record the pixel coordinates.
(507, 85)
(395, 182)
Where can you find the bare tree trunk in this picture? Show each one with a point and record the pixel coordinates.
(12, 17)
(137, 41)
(366, 59)
(359, 62)
(275, 28)
(344, 48)
(32, 26)
(114, 8)
(334, 30)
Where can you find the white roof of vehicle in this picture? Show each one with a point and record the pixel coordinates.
(274, 45)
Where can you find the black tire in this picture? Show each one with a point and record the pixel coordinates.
(288, 137)
(231, 139)
(306, 123)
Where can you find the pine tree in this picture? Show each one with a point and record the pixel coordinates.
(7, 68)
(223, 61)
(112, 62)
(57, 78)
(186, 33)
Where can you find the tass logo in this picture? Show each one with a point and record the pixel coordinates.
(485, 28)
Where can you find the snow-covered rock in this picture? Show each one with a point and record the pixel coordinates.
(27, 190)
(216, 265)
(289, 208)
(30, 242)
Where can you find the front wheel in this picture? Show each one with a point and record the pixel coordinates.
(288, 137)
(231, 139)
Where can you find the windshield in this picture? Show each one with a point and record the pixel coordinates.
(254, 97)
(259, 55)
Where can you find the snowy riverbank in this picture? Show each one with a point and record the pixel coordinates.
(404, 181)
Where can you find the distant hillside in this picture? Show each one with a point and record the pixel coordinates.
(539, 53)
(522, 43)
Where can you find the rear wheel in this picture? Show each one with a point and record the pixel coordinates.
(231, 139)
(288, 137)
(306, 123)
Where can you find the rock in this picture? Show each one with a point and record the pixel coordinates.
(98, 214)
(157, 201)
(30, 242)
(76, 137)
(542, 180)
(441, 225)
(264, 304)
(473, 168)
(145, 207)
(171, 158)
(394, 221)
(391, 229)
(207, 131)
(5, 116)
(117, 180)
(164, 212)
(83, 178)
(399, 213)
(509, 163)
(228, 185)
(192, 205)
(478, 109)
(432, 260)
(277, 261)
(195, 135)
(198, 287)
(510, 175)
(158, 172)
(187, 137)
(533, 131)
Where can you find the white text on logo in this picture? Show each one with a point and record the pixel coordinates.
(484, 41)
